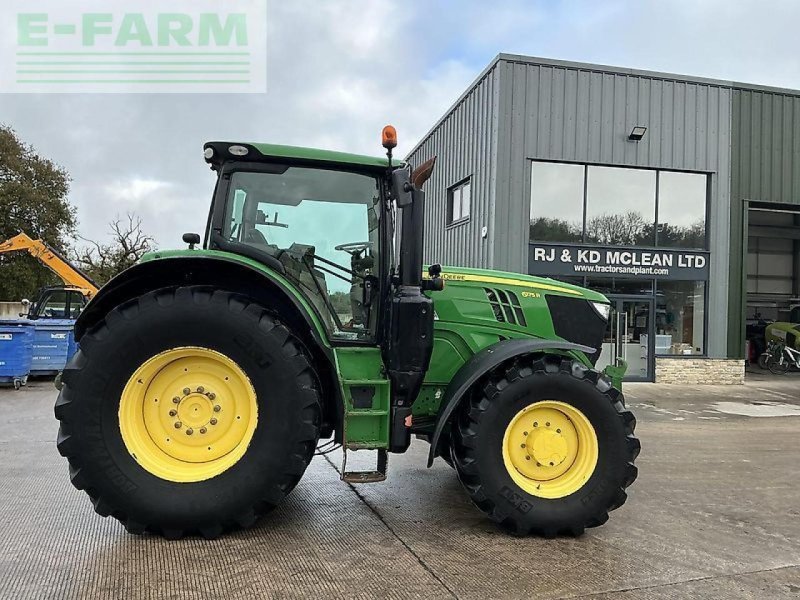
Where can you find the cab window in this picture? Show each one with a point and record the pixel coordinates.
(322, 225)
(54, 305)
(76, 304)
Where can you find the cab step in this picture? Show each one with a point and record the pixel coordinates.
(379, 474)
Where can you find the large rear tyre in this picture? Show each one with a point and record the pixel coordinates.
(546, 447)
(188, 411)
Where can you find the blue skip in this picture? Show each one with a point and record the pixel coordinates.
(51, 345)
(16, 351)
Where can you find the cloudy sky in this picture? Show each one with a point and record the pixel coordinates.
(338, 70)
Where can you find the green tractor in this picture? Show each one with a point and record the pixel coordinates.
(206, 377)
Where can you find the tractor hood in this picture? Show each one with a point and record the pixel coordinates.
(497, 305)
(480, 277)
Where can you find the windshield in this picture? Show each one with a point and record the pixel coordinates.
(322, 225)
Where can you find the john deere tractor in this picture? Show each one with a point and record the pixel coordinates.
(206, 377)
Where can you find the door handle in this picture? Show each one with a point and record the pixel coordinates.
(625, 339)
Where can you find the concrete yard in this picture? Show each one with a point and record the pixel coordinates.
(715, 513)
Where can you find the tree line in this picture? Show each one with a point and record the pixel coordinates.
(619, 229)
(34, 199)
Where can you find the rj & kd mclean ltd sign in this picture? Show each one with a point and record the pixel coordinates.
(615, 261)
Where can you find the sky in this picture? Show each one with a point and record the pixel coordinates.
(338, 70)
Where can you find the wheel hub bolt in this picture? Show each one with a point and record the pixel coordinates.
(211, 395)
(203, 430)
(200, 389)
(176, 400)
(217, 408)
(178, 425)
(213, 421)
(172, 413)
(186, 391)
(189, 431)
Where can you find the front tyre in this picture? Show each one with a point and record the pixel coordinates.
(188, 411)
(546, 447)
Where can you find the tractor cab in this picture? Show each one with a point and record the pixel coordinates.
(321, 226)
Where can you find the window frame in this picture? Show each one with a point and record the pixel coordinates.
(657, 171)
(451, 191)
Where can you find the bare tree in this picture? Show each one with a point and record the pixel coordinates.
(128, 244)
(625, 228)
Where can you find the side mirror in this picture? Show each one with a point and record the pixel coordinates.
(402, 188)
(25, 302)
(191, 239)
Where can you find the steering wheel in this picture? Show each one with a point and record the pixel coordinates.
(353, 247)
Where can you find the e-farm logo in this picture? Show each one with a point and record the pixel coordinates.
(172, 46)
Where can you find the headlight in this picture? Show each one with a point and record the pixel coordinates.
(602, 309)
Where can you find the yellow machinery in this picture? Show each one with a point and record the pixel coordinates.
(65, 301)
(71, 275)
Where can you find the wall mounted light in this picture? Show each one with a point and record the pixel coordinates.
(637, 133)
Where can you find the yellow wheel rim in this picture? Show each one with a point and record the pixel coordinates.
(550, 449)
(188, 414)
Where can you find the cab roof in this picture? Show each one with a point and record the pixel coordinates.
(257, 152)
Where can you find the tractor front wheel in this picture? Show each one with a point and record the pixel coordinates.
(546, 447)
(188, 411)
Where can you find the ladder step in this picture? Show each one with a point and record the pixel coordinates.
(379, 474)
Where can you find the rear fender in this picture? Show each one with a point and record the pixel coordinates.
(234, 274)
(482, 363)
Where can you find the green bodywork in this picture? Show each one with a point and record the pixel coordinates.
(465, 324)
(327, 156)
(784, 333)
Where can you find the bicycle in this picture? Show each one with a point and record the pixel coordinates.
(788, 357)
(773, 351)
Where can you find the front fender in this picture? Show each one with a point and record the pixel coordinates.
(480, 364)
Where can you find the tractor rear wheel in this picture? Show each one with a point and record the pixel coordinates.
(188, 411)
(546, 447)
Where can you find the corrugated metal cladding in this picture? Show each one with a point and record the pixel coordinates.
(557, 111)
(465, 143)
(765, 158)
(766, 147)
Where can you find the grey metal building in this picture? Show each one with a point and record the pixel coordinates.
(677, 196)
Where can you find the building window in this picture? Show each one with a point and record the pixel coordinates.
(617, 206)
(459, 198)
(620, 206)
(682, 209)
(557, 202)
(680, 317)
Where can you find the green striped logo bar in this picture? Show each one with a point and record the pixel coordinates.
(129, 46)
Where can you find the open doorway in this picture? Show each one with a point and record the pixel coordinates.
(773, 272)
